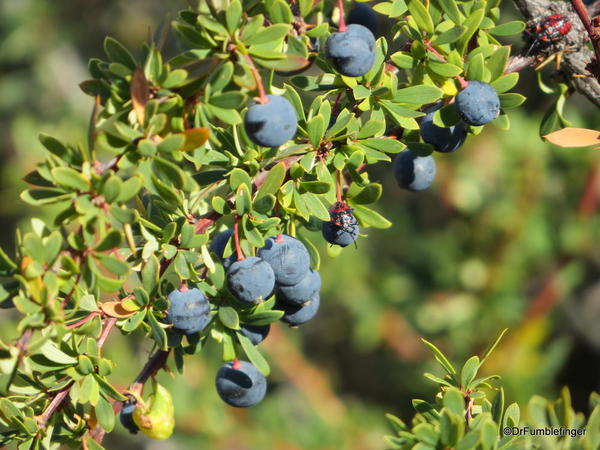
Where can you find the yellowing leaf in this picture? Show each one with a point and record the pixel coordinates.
(574, 137)
(115, 309)
(140, 94)
(194, 138)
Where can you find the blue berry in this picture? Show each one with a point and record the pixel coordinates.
(340, 235)
(363, 14)
(303, 291)
(288, 258)
(299, 314)
(189, 311)
(126, 417)
(240, 384)
(351, 52)
(271, 124)
(478, 103)
(412, 172)
(444, 140)
(219, 242)
(256, 333)
(251, 280)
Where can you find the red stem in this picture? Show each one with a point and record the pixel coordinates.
(262, 96)
(236, 237)
(86, 319)
(336, 105)
(236, 364)
(342, 27)
(108, 326)
(339, 186)
(54, 405)
(584, 16)
(184, 286)
(463, 83)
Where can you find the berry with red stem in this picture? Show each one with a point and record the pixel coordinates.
(240, 384)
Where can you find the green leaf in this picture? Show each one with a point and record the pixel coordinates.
(105, 414)
(273, 181)
(449, 36)
(421, 15)
(450, 7)
(269, 34)
(469, 371)
(512, 416)
(496, 63)
(228, 100)
(475, 69)
(489, 351)
(229, 317)
(508, 28)
(498, 407)
(112, 239)
(418, 95)
(116, 52)
(233, 14)
(316, 130)
(316, 187)
(370, 218)
(505, 82)
(511, 100)
(112, 188)
(367, 195)
(70, 178)
(243, 201)
(238, 177)
(254, 356)
(158, 333)
(444, 69)
(54, 354)
(315, 206)
(439, 356)
(454, 400)
(130, 188)
(472, 23)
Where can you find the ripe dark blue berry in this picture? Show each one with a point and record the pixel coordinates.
(240, 384)
(256, 333)
(126, 417)
(189, 310)
(342, 228)
(351, 52)
(271, 124)
(444, 140)
(303, 291)
(413, 172)
(251, 280)
(219, 242)
(478, 103)
(299, 314)
(363, 14)
(288, 258)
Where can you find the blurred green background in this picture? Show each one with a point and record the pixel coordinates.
(506, 237)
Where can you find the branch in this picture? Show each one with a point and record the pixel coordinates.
(206, 221)
(574, 62)
(579, 8)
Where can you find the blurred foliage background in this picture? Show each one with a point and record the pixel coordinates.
(506, 237)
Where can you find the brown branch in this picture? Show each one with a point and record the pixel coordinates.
(582, 12)
(574, 63)
(64, 392)
(54, 405)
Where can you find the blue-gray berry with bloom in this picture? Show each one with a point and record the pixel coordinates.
(271, 124)
(288, 258)
(251, 280)
(413, 172)
(478, 103)
(240, 384)
(189, 310)
(351, 52)
(443, 139)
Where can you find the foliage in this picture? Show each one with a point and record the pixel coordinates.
(130, 230)
(470, 413)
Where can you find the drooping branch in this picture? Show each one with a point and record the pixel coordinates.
(577, 56)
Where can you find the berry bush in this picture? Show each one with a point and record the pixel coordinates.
(192, 212)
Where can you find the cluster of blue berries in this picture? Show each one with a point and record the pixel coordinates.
(477, 104)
